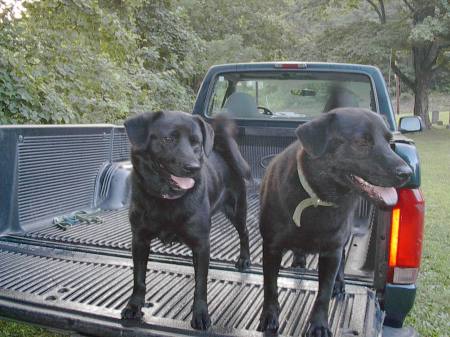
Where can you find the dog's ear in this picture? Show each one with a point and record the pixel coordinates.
(138, 127)
(315, 135)
(208, 135)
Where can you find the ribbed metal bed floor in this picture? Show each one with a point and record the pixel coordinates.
(75, 291)
(114, 233)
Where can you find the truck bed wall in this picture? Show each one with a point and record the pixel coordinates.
(47, 171)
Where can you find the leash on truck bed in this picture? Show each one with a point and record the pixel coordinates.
(76, 218)
(313, 199)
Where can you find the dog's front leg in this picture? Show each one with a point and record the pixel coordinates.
(328, 267)
(200, 315)
(271, 308)
(339, 283)
(140, 248)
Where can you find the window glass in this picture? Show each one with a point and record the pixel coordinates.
(288, 95)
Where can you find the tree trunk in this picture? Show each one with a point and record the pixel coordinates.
(420, 85)
(421, 102)
(424, 58)
(423, 75)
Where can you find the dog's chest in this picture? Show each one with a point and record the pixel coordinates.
(322, 228)
(168, 224)
(169, 221)
(168, 236)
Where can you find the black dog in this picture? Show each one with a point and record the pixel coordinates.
(178, 182)
(341, 155)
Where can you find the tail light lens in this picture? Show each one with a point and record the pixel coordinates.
(405, 246)
(290, 65)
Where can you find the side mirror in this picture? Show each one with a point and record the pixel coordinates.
(410, 124)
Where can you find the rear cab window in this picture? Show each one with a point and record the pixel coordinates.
(286, 95)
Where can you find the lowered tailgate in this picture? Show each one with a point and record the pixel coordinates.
(83, 292)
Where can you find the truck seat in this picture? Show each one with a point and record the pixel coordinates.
(240, 104)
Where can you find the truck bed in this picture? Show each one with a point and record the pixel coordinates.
(112, 237)
(79, 279)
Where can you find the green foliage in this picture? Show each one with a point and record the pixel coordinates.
(436, 25)
(15, 100)
(259, 24)
(78, 61)
(410, 38)
(230, 49)
(89, 61)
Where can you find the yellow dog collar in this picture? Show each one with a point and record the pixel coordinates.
(313, 199)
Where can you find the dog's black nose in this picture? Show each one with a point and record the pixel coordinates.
(403, 173)
(192, 167)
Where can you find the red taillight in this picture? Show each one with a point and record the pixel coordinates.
(395, 228)
(405, 247)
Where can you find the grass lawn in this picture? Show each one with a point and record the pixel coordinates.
(431, 313)
(13, 329)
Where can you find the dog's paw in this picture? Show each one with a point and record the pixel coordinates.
(200, 316)
(132, 312)
(339, 290)
(243, 263)
(318, 330)
(299, 261)
(269, 319)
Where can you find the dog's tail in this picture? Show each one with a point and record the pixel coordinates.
(224, 142)
(340, 97)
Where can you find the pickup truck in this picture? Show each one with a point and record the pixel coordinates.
(65, 258)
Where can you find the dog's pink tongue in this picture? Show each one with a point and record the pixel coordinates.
(383, 196)
(183, 182)
(388, 195)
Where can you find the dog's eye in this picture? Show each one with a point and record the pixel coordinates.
(194, 140)
(364, 142)
(168, 140)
